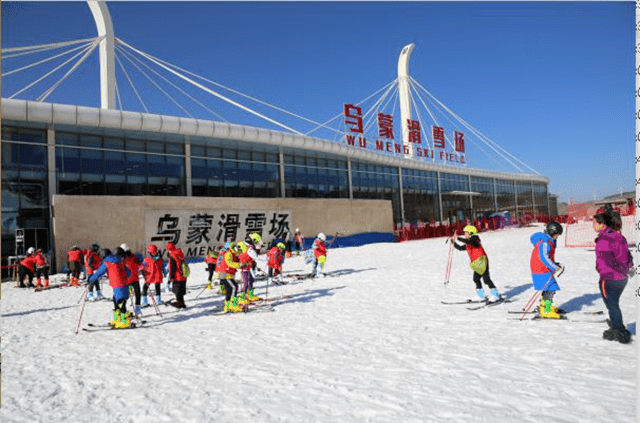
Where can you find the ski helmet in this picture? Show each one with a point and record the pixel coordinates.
(554, 228)
(256, 238)
(281, 246)
(95, 247)
(105, 252)
(119, 252)
(242, 246)
(171, 246)
(152, 249)
(470, 229)
(322, 237)
(125, 247)
(31, 250)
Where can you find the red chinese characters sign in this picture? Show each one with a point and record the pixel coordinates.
(353, 118)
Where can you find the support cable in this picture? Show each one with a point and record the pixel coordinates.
(131, 83)
(131, 56)
(210, 91)
(483, 137)
(42, 47)
(50, 72)
(69, 72)
(159, 87)
(45, 60)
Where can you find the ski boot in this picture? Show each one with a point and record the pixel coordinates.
(90, 296)
(137, 311)
(46, 283)
(145, 301)
(99, 295)
(494, 295)
(251, 297)
(546, 312)
(209, 285)
(158, 300)
(553, 308)
(234, 307)
(481, 294)
(116, 317)
(125, 321)
(38, 284)
(242, 299)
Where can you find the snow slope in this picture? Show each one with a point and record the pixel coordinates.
(371, 345)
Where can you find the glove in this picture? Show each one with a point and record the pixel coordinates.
(632, 272)
(559, 271)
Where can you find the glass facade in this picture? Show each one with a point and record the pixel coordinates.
(483, 204)
(420, 194)
(506, 196)
(377, 182)
(524, 191)
(96, 161)
(456, 204)
(310, 174)
(25, 192)
(98, 165)
(224, 172)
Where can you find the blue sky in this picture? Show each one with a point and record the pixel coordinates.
(551, 82)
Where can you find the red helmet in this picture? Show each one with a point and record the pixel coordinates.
(152, 249)
(171, 246)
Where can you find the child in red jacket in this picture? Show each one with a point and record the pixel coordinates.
(275, 259)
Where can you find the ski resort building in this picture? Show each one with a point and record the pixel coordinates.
(77, 175)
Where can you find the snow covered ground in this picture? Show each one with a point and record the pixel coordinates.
(374, 344)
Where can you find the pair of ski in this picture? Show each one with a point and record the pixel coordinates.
(96, 327)
(563, 316)
(483, 303)
(45, 288)
(247, 308)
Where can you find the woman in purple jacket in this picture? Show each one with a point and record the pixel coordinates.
(614, 264)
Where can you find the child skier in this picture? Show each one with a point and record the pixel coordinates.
(177, 278)
(27, 267)
(113, 266)
(74, 260)
(319, 254)
(42, 269)
(152, 272)
(227, 270)
(210, 260)
(544, 268)
(479, 262)
(275, 259)
(248, 261)
(133, 264)
(91, 264)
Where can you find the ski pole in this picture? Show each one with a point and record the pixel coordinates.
(155, 306)
(447, 272)
(81, 311)
(535, 297)
(203, 289)
(83, 294)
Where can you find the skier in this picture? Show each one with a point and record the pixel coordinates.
(222, 290)
(91, 264)
(319, 255)
(479, 262)
(133, 264)
(544, 268)
(288, 242)
(248, 260)
(42, 269)
(152, 271)
(275, 259)
(113, 266)
(299, 240)
(210, 260)
(227, 270)
(614, 265)
(27, 267)
(74, 260)
(176, 276)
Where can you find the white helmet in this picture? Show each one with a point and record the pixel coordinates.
(297, 230)
(31, 250)
(322, 236)
(125, 247)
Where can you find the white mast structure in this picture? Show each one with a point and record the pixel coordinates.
(404, 95)
(107, 53)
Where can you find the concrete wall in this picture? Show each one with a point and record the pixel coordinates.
(113, 220)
